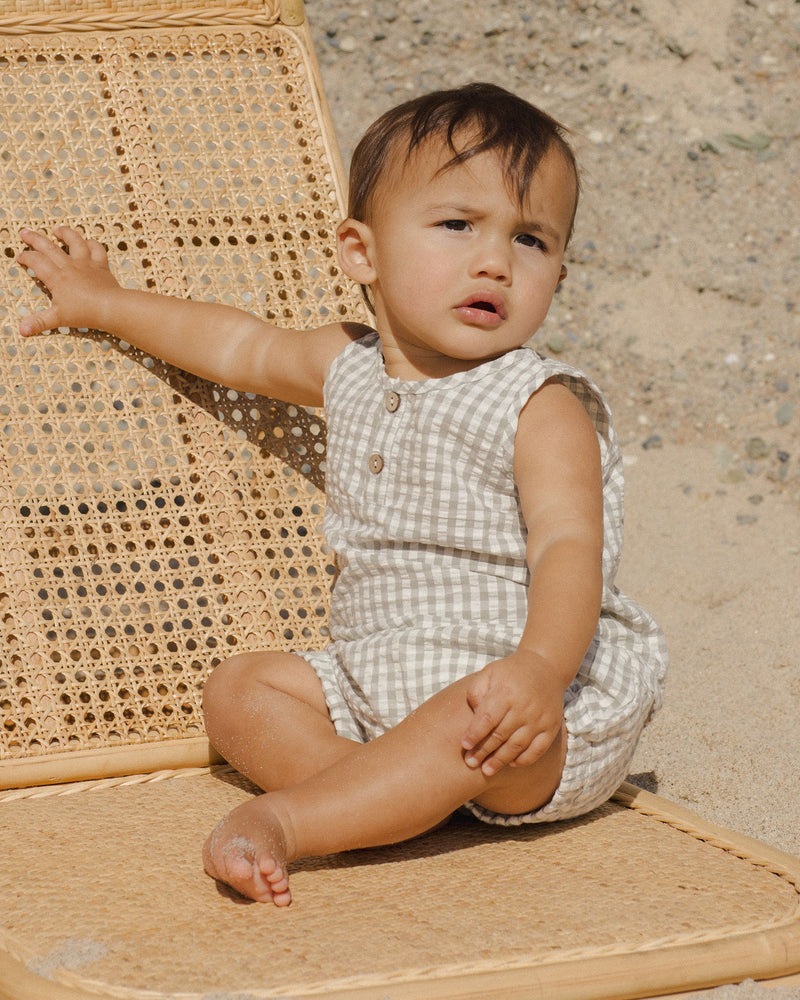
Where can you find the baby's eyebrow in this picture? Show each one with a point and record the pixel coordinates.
(541, 227)
(452, 208)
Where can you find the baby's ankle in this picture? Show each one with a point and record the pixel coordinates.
(282, 822)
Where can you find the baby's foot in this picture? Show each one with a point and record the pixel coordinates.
(247, 850)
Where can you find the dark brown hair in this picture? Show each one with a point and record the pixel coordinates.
(486, 116)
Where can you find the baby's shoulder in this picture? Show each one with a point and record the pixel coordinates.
(552, 372)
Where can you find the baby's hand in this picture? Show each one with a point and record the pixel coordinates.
(518, 712)
(76, 279)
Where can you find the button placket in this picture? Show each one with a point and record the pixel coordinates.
(391, 401)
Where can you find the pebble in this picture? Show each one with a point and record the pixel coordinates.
(733, 476)
(754, 143)
(784, 414)
(724, 456)
(654, 441)
(756, 447)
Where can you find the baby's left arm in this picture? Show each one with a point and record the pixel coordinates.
(517, 702)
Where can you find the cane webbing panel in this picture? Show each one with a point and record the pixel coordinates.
(151, 523)
(619, 904)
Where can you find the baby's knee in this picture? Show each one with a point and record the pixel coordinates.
(227, 682)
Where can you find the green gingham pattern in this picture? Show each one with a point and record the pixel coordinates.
(423, 514)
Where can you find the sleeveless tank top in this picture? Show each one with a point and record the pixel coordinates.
(423, 515)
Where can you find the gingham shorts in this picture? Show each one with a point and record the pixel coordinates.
(600, 743)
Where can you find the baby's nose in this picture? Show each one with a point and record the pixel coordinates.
(492, 261)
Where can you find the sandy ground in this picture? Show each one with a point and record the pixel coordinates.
(682, 302)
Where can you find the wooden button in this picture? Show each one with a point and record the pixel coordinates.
(392, 402)
(375, 463)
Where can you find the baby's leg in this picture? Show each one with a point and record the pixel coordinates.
(266, 714)
(395, 787)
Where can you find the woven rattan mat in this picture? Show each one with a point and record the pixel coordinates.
(617, 904)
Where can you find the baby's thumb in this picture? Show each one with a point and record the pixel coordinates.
(39, 322)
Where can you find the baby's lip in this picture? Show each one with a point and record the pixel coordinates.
(487, 302)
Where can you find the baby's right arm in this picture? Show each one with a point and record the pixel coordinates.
(217, 342)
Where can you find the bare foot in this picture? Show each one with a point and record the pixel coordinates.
(247, 850)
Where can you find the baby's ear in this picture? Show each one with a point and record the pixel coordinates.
(354, 245)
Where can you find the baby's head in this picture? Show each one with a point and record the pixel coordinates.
(461, 208)
(476, 118)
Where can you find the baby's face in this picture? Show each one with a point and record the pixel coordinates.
(463, 273)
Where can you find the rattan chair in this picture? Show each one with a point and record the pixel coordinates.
(152, 524)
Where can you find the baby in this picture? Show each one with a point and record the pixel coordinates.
(481, 656)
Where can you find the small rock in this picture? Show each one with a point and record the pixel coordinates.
(754, 143)
(676, 48)
(757, 448)
(654, 441)
(556, 343)
(733, 476)
(784, 414)
(724, 456)
(779, 474)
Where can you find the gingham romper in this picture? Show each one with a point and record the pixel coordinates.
(424, 517)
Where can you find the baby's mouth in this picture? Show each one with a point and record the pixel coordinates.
(489, 310)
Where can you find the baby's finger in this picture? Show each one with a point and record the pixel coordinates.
(482, 725)
(97, 252)
(40, 243)
(75, 243)
(533, 752)
(477, 754)
(42, 258)
(39, 322)
(507, 754)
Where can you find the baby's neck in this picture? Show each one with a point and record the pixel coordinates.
(410, 365)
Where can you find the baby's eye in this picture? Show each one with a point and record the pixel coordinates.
(529, 240)
(455, 225)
